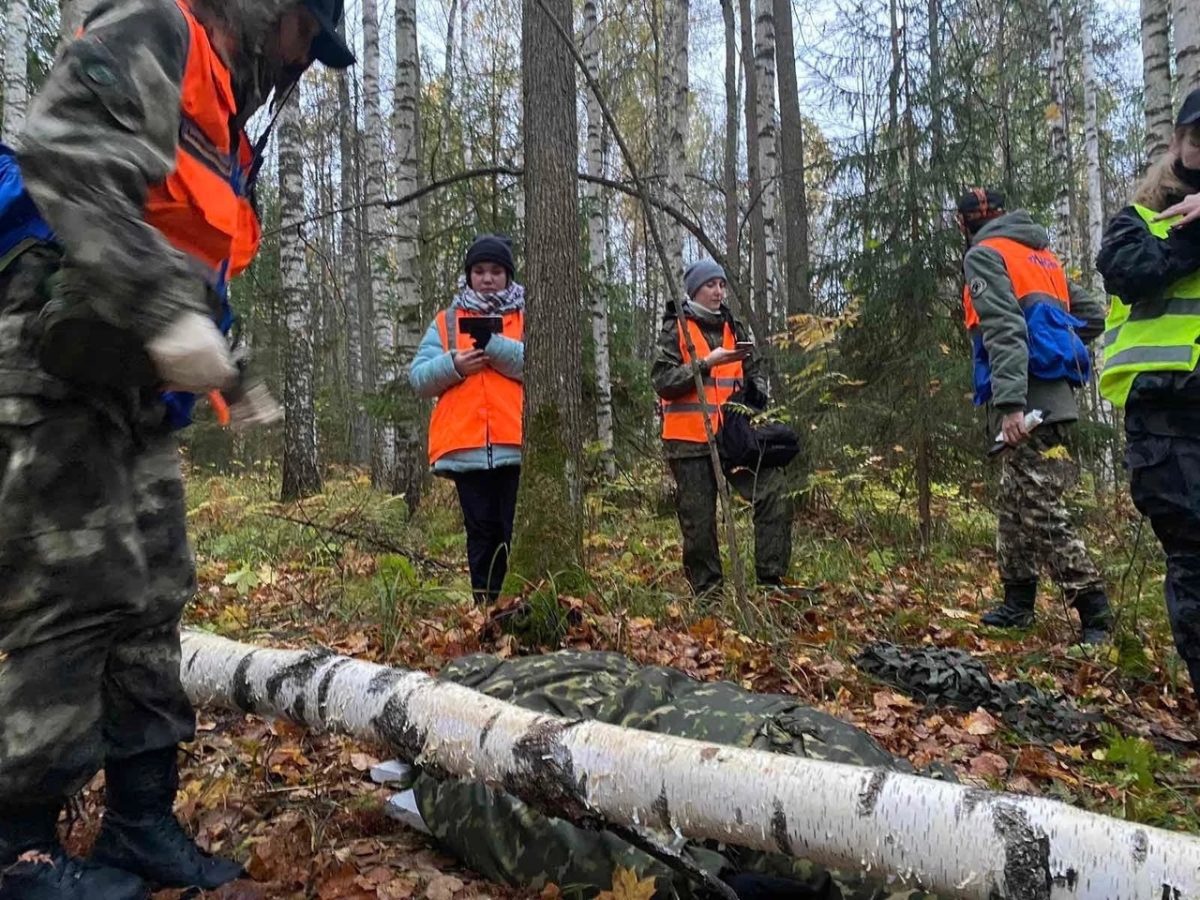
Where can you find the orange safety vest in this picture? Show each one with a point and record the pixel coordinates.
(202, 207)
(483, 409)
(1036, 275)
(683, 418)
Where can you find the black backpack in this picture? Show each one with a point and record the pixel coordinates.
(746, 440)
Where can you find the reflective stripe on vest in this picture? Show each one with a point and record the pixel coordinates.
(1151, 336)
(483, 409)
(683, 418)
(201, 208)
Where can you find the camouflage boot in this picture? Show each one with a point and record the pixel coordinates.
(141, 834)
(34, 866)
(1095, 617)
(1017, 609)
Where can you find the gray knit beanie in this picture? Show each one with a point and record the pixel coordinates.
(700, 273)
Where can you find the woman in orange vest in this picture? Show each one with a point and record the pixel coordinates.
(472, 360)
(727, 362)
(134, 157)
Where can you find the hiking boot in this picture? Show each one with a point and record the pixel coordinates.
(141, 834)
(1017, 609)
(34, 866)
(1095, 617)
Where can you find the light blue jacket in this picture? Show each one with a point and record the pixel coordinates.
(432, 373)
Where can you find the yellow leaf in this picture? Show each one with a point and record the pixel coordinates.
(1053, 112)
(1059, 452)
(626, 886)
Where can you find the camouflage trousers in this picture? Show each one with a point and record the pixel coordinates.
(696, 507)
(1165, 484)
(95, 570)
(1034, 529)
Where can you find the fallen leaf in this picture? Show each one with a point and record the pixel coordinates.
(443, 887)
(980, 723)
(988, 765)
(627, 886)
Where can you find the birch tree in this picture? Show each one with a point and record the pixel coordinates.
(16, 61)
(729, 163)
(548, 531)
(597, 245)
(383, 449)
(408, 321)
(791, 155)
(673, 97)
(952, 839)
(351, 294)
(758, 237)
(1057, 115)
(768, 150)
(1091, 141)
(1186, 22)
(301, 472)
(1156, 76)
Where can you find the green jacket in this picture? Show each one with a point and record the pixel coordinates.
(672, 379)
(1003, 325)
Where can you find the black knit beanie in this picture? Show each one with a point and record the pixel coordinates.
(494, 248)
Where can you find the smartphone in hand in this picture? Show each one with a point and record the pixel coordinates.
(744, 345)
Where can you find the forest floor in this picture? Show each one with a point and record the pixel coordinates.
(349, 570)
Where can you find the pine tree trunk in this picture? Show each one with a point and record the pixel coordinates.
(1156, 76)
(548, 532)
(301, 472)
(1058, 130)
(758, 237)
(411, 468)
(383, 450)
(1186, 21)
(764, 64)
(791, 154)
(952, 839)
(597, 245)
(16, 61)
(348, 198)
(729, 163)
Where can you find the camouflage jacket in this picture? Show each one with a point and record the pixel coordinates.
(508, 841)
(102, 130)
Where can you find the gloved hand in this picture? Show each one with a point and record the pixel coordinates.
(191, 355)
(254, 407)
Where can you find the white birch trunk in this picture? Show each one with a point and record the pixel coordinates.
(409, 312)
(1091, 141)
(301, 473)
(768, 150)
(360, 433)
(1057, 115)
(952, 839)
(1156, 76)
(1186, 21)
(379, 244)
(16, 60)
(597, 244)
(673, 113)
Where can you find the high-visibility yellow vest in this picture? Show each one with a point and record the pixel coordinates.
(1152, 336)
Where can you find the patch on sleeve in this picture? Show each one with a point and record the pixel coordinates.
(978, 286)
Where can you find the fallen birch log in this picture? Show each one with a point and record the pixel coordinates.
(951, 839)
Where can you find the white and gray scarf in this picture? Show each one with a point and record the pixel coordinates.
(511, 299)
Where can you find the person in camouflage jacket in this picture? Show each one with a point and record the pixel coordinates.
(95, 567)
(689, 459)
(509, 842)
(1034, 527)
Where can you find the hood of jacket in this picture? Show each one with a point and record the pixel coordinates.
(1017, 225)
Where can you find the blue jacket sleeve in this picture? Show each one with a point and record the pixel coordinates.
(506, 356)
(432, 371)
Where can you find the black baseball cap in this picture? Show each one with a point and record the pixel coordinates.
(329, 47)
(1189, 113)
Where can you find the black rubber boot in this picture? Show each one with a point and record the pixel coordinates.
(34, 866)
(1017, 609)
(1095, 617)
(141, 834)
